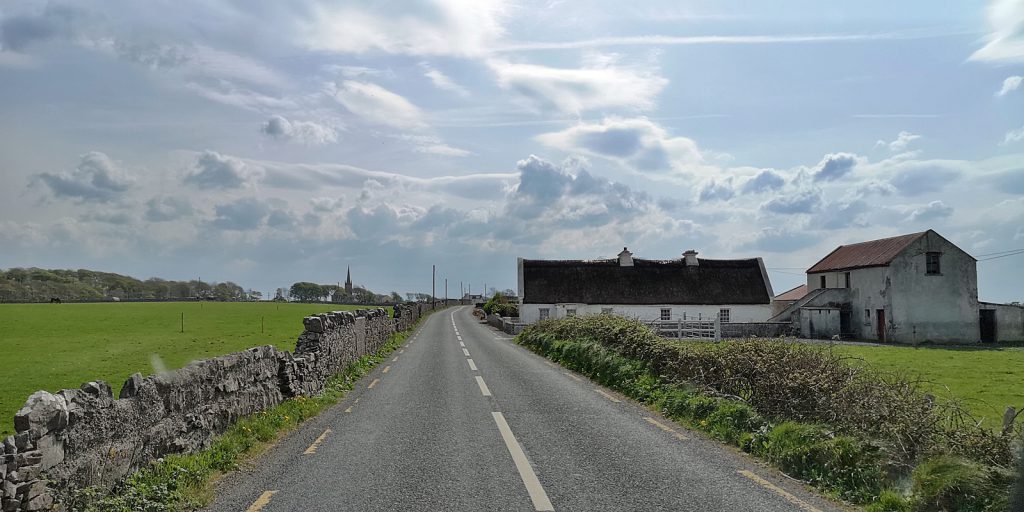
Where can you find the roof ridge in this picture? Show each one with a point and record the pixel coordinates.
(915, 235)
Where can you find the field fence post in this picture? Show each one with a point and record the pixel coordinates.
(718, 328)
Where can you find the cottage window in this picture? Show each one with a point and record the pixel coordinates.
(606, 311)
(846, 277)
(570, 312)
(723, 315)
(932, 263)
(666, 313)
(867, 317)
(545, 313)
(823, 284)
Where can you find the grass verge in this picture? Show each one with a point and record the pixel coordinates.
(844, 463)
(185, 482)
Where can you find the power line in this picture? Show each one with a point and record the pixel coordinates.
(1017, 252)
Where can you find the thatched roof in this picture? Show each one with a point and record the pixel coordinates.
(647, 282)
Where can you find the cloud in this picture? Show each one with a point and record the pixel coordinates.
(600, 86)
(843, 214)
(714, 190)
(1013, 136)
(764, 181)
(919, 177)
(932, 211)
(282, 219)
(662, 40)
(241, 215)
(21, 30)
(214, 170)
(96, 178)
(379, 105)
(901, 143)
(1012, 83)
(1006, 42)
(166, 208)
(779, 240)
(303, 132)
(806, 201)
(463, 28)
(834, 166)
(442, 81)
(636, 143)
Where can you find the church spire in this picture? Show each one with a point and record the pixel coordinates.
(348, 282)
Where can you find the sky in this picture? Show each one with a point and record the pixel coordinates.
(267, 141)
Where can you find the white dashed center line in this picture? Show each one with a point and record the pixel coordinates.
(530, 480)
(472, 365)
(483, 386)
(464, 351)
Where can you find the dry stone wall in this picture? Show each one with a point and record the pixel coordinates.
(85, 437)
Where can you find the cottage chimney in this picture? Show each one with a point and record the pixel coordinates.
(691, 258)
(625, 258)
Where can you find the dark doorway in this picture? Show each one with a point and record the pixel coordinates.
(845, 330)
(988, 325)
(880, 314)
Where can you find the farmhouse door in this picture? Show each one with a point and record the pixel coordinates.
(988, 325)
(880, 314)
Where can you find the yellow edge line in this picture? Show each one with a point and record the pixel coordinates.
(386, 369)
(316, 444)
(664, 427)
(607, 395)
(573, 376)
(261, 502)
(372, 384)
(778, 490)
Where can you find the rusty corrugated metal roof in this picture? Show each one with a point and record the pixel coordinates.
(875, 253)
(794, 294)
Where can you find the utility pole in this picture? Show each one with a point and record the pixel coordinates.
(446, 291)
(433, 280)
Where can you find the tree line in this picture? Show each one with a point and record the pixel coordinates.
(311, 292)
(39, 285)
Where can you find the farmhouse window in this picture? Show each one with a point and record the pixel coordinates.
(846, 278)
(544, 313)
(606, 311)
(570, 312)
(867, 317)
(723, 315)
(823, 283)
(932, 263)
(666, 313)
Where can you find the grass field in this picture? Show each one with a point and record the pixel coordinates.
(57, 346)
(988, 380)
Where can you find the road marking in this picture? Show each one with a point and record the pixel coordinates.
(464, 351)
(395, 359)
(459, 337)
(665, 427)
(357, 401)
(386, 369)
(778, 490)
(549, 363)
(573, 376)
(472, 365)
(372, 384)
(401, 351)
(316, 444)
(537, 495)
(607, 395)
(261, 502)
(461, 344)
(483, 386)
(349, 409)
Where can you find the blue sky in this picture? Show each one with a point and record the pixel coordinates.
(269, 142)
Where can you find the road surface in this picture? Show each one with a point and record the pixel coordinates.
(461, 418)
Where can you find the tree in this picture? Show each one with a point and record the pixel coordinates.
(306, 291)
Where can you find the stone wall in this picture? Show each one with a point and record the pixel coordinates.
(85, 437)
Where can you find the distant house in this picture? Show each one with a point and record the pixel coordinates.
(786, 299)
(904, 289)
(685, 288)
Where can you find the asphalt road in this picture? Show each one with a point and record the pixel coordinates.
(463, 419)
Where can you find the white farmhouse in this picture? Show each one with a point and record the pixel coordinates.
(689, 288)
(904, 289)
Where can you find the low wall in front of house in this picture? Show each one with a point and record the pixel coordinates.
(87, 437)
(1009, 321)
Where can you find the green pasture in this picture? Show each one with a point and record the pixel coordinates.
(57, 346)
(987, 380)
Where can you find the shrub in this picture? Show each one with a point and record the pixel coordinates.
(954, 483)
(889, 501)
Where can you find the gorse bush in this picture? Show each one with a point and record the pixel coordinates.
(826, 419)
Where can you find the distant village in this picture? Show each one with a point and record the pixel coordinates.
(907, 289)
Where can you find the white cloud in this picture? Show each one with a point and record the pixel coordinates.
(662, 40)
(166, 208)
(932, 211)
(835, 165)
(903, 140)
(1012, 83)
(1013, 136)
(1006, 42)
(304, 132)
(442, 81)
(379, 105)
(637, 143)
(244, 214)
(805, 201)
(96, 178)
(434, 27)
(600, 84)
(214, 170)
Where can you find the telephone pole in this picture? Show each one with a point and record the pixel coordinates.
(446, 291)
(433, 280)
